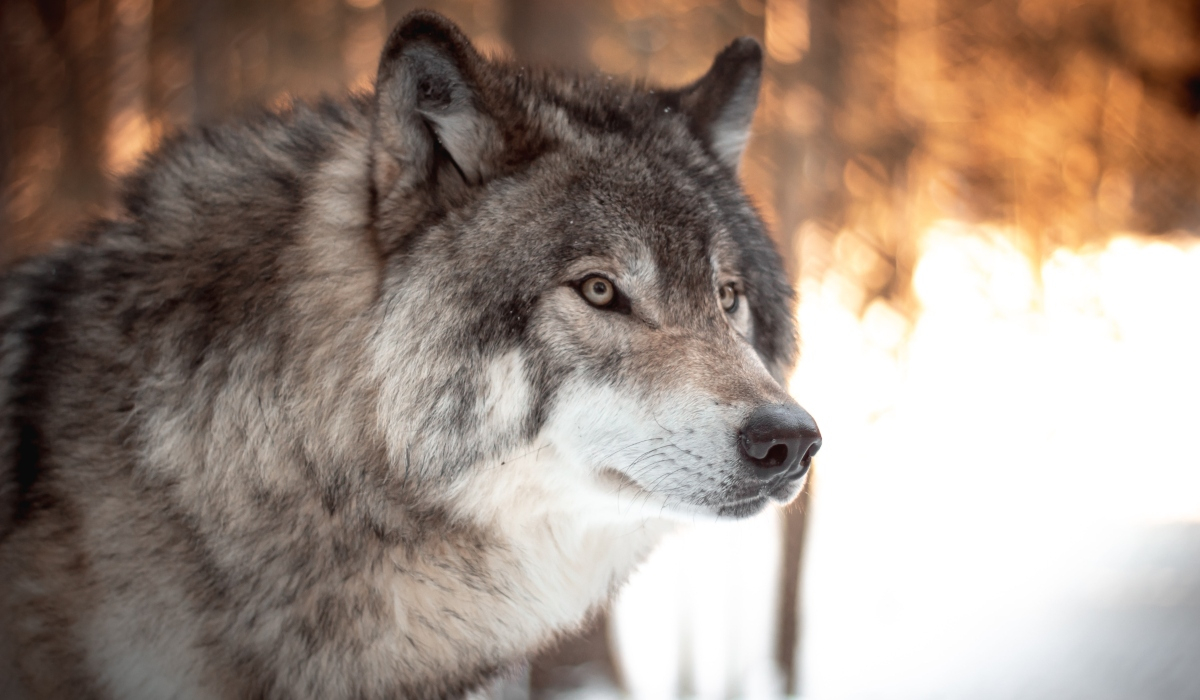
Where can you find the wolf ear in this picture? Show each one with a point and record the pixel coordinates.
(721, 104)
(428, 103)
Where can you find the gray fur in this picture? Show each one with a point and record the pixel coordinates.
(261, 425)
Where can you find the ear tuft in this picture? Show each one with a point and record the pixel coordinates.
(428, 82)
(721, 104)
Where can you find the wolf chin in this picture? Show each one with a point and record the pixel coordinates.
(376, 398)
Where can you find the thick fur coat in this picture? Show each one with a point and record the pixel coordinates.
(337, 408)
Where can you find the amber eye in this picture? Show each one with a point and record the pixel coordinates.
(598, 291)
(729, 298)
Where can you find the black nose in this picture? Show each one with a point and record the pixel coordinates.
(780, 439)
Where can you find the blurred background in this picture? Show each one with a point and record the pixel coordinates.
(990, 209)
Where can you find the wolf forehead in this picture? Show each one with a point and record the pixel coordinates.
(621, 215)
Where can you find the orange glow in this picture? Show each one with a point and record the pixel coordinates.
(787, 30)
(129, 130)
(129, 137)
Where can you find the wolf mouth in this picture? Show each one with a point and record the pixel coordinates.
(780, 491)
(744, 507)
(783, 489)
(626, 486)
(739, 506)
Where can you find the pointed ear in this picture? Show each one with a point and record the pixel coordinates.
(721, 104)
(429, 105)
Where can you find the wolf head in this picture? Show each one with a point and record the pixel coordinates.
(581, 302)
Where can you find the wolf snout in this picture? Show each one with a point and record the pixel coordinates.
(779, 439)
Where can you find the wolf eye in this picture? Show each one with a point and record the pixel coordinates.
(729, 297)
(598, 291)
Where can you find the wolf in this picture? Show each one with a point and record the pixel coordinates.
(377, 397)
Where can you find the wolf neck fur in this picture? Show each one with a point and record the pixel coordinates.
(562, 548)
